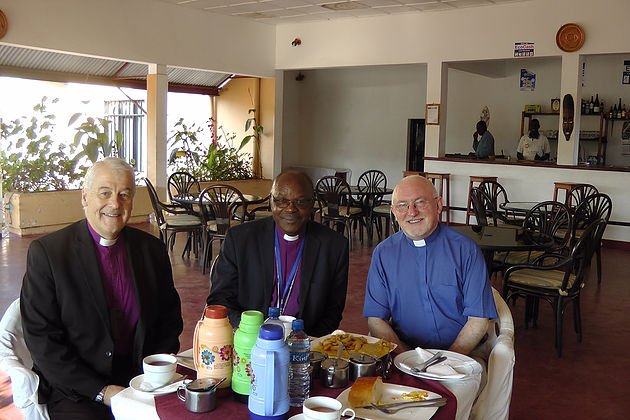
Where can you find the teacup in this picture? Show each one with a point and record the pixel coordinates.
(159, 369)
(325, 408)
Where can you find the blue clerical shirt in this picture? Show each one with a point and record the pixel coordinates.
(428, 291)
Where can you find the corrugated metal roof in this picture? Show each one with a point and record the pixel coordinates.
(34, 59)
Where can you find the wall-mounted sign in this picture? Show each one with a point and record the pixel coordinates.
(432, 114)
(4, 24)
(528, 80)
(523, 49)
(626, 72)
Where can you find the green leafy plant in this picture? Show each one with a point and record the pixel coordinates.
(257, 132)
(31, 161)
(209, 160)
(93, 140)
(29, 158)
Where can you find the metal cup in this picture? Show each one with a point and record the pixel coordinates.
(362, 365)
(199, 395)
(335, 372)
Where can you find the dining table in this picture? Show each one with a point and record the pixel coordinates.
(131, 404)
(518, 208)
(493, 239)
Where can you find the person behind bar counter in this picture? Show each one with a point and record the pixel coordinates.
(533, 146)
(483, 141)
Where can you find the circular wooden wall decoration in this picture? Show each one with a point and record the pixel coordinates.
(4, 24)
(570, 37)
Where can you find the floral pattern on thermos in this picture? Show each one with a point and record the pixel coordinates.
(215, 358)
(242, 366)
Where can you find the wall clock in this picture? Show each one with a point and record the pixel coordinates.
(4, 24)
(570, 37)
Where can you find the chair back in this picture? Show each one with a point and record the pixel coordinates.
(480, 203)
(182, 184)
(333, 194)
(578, 194)
(549, 219)
(594, 207)
(218, 203)
(493, 402)
(15, 361)
(393, 222)
(155, 203)
(579, 261)
(496, 196)
(372, 180)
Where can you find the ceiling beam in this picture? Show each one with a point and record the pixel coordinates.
(63, 77)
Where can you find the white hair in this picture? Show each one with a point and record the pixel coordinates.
(113, 163)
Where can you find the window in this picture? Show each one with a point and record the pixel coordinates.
(128, 118)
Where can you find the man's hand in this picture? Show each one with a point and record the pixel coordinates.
(468, 338)
(381, 329)
(475, 135)
(110, 391)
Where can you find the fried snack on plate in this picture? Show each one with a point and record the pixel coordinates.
(352, 344)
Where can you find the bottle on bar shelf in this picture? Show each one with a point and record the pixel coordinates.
(619, 110)
(623, 112)
(596, 104)
(612, 112)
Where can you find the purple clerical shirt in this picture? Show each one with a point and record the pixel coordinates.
(120, 292)
(288, 254)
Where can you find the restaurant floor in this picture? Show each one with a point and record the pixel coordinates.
(590, 381)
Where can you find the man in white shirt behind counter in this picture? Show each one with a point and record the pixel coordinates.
(533, 145)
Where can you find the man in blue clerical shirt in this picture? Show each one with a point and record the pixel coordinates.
(427, 285)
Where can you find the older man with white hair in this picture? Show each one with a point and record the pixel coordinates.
(427, 285)
(96, 298)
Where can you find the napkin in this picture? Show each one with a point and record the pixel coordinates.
(445, 368)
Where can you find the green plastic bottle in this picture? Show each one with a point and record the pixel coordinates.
(244, 339)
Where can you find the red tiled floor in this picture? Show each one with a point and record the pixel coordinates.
(590, 381)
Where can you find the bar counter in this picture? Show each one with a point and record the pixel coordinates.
(545, 164)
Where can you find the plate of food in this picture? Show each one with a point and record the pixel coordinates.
(371, 390)
(353, 343)
(456, 366)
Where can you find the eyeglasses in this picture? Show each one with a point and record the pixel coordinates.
(419, 204)
(283, 203)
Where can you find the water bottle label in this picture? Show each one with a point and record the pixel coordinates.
(215, 357)
(300, 357)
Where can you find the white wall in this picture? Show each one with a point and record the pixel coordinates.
(352, 117)
(142, 31)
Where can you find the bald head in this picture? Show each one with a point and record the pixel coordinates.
(294, 177)
(416, 206)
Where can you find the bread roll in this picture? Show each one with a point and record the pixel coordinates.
(365, 391)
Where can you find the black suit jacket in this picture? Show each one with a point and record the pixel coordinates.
(65, 316)
(243, 276)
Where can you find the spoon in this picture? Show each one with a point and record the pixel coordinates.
(217, 384)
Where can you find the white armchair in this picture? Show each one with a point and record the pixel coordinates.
(493, 402)
(15, 360)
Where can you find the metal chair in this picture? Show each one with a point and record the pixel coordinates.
(549, 219)
(479, 202)
(183, 184)
(337, 206)
(559, 283)
(219, 204)
(578, 194)
(370, 184)
(497, 196)
(595, 206)
(173, 219)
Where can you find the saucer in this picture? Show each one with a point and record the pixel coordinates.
(297, 417)
(137, 385)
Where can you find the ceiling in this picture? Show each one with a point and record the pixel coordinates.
(60, 67)
(295, 11)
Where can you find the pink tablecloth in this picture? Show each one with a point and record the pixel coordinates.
(169, 407)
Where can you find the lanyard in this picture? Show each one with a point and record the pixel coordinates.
(282, 299)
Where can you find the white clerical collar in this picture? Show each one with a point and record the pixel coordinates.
(107, 242)
(291, 238)
(419, 243)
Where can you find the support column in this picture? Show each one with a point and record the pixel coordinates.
(437, 85)
(157, 88)
(277, 127)
(570, 83)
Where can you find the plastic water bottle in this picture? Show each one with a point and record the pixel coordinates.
(274, 318)
(299, 362)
